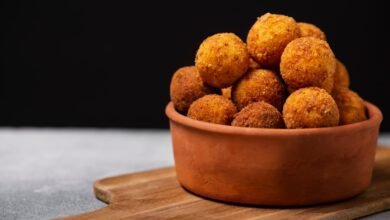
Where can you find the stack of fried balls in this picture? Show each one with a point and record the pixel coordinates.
(284, 76)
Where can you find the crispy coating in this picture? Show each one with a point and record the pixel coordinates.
(227, 92)
(214, 109)
(259, 85)
(341, 76)
(310, 30)
(259, 115)
(310, 107)
(253, 64)
(222, 59)
(351, 106)
(269, 36)
(307, 62)
(186, 87)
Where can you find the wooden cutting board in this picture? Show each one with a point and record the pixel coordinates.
(157, 195)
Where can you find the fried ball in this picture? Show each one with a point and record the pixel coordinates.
(341, 76)
(214, 109)
(310, 30)
(186, 87)
(222, 59)
(253, 64)
(307, 62)
(351, 106)
(269, 36)
(259, 115)
(310, 107)
(259, 85)
(227, 92)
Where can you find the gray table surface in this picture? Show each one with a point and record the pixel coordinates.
(47, 173)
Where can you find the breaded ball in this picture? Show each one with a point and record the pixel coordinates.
(259, 85)
(259, 115)
(341, 76)
(307, 62)
(253, 64)
(351, 106)
(310, 107)
(310, 30)
(214, 109)
(227, 92)
(186, 87)
(222, 59)
(269, 36)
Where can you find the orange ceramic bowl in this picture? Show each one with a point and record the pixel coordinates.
(274, 167)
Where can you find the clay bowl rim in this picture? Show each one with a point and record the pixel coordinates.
(375, 118)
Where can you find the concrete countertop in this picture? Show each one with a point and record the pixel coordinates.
(47, 173)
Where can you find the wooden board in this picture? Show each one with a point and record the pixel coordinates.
(157, 195)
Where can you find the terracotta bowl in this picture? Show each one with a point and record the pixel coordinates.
(274, 167)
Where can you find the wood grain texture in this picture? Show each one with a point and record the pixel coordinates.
(156, 194)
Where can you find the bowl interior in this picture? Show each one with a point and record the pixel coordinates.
(374, 118)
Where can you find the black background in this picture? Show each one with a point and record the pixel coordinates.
(104, 63)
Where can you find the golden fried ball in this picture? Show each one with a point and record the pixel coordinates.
(307, 62)
(253, 64)
(259, 115)
(186, 87)
(259, 85)
(269, 36)
(351, 106)
(341, 76)
(222, 59)
(214, 109)
(227, 92)
(310, 107)
(310, 30)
